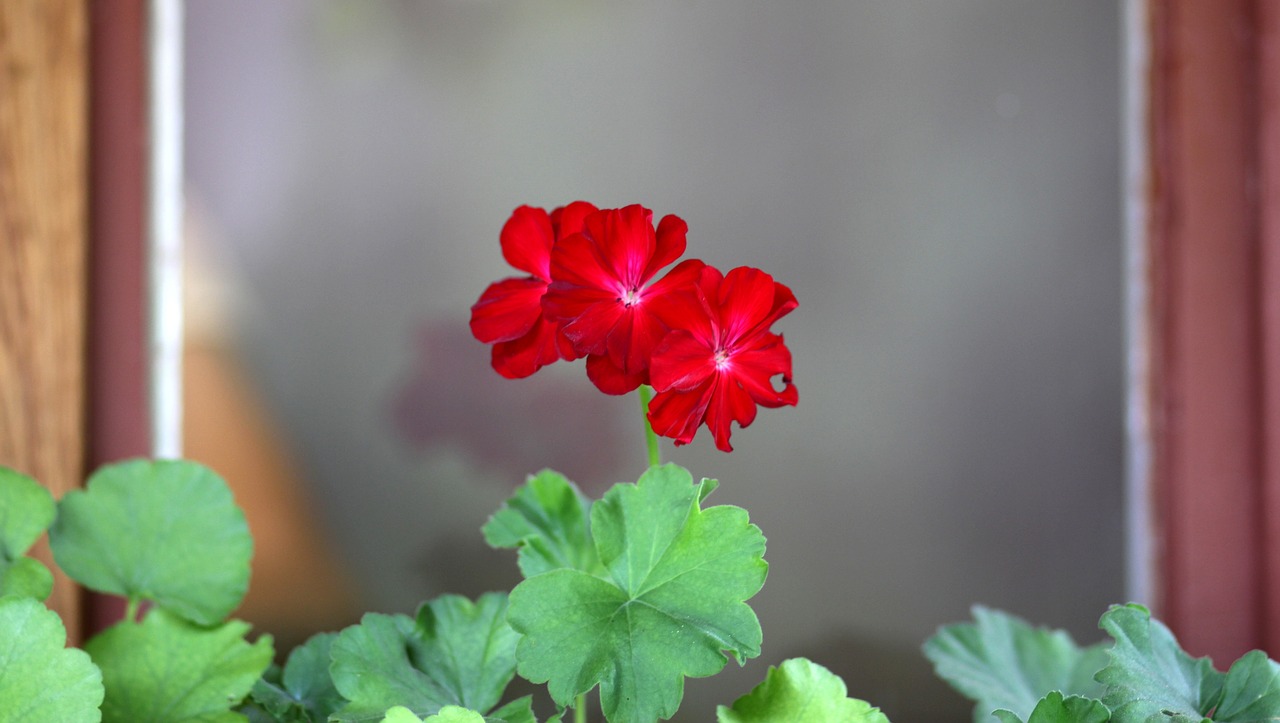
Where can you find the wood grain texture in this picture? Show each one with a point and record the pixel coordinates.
(43, 247)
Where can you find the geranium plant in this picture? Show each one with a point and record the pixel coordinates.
(623, 597)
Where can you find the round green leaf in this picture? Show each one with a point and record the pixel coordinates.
(671, 603)
(800, 690)
(41, 680)
(25, 577)
(165, 531)
(26, 510)
(166, 670)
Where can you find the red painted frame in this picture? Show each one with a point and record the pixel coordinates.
(1214, 321)
(118, 420)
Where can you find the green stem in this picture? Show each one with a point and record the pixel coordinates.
(131, 609)
(651, 439)
(580, 709)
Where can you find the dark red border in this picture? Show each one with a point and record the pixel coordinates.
(1212, 321)
(117, 372)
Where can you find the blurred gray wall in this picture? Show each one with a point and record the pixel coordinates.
(937, 180)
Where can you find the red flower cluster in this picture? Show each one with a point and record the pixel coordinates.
(700, 338)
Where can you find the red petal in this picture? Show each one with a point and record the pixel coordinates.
(631, 342)
(567, 220)
(681, 362)
(755, 369)
(674, 301)
(729, 403)
(626, 240)
(527, 238)
(745, 299)
(590, 328)
(670, 245)
(610, 379)
(521, 357)
(507, 309)
(677, 414)
(578, 262)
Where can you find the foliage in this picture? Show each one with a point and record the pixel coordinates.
(454, 653)
(800, 690)
(630, 594)
(132, 531)
(41, 680)
(167, 670)
(1148, 678)
(671, 601)
(1003, 663)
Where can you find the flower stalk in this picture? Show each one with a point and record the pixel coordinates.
(650, 438)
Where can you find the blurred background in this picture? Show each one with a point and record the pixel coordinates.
(937, 180)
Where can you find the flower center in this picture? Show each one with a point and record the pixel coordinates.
(630, 297)
(721, 358)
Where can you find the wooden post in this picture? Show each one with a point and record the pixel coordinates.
(43, 249)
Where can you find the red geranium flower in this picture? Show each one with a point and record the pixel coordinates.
(720, 364)
(601, 295)
(509, 312)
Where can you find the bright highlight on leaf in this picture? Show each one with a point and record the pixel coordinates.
(547, 520)
(1002, 663)
(166, 670)
(671, 603)
(25, 577)
(26, 510)
(165, 531)
(41, 680)
(447, 714)
(455, 653)
(1054, 708)
(800, 690)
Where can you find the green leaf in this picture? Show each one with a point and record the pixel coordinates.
(1002, 663)
(547, 520)
(41, 680)
(672, 600)
(800, 690)
(1054, 708)
(447, 714)
(303, 691)
(455, 653)
(166, 670)
(1149, 676)
(519, 710)
(25, 577)
(1251, 690)
(165, 531)
(26, 511)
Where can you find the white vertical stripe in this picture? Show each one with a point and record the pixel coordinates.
(164, 224)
